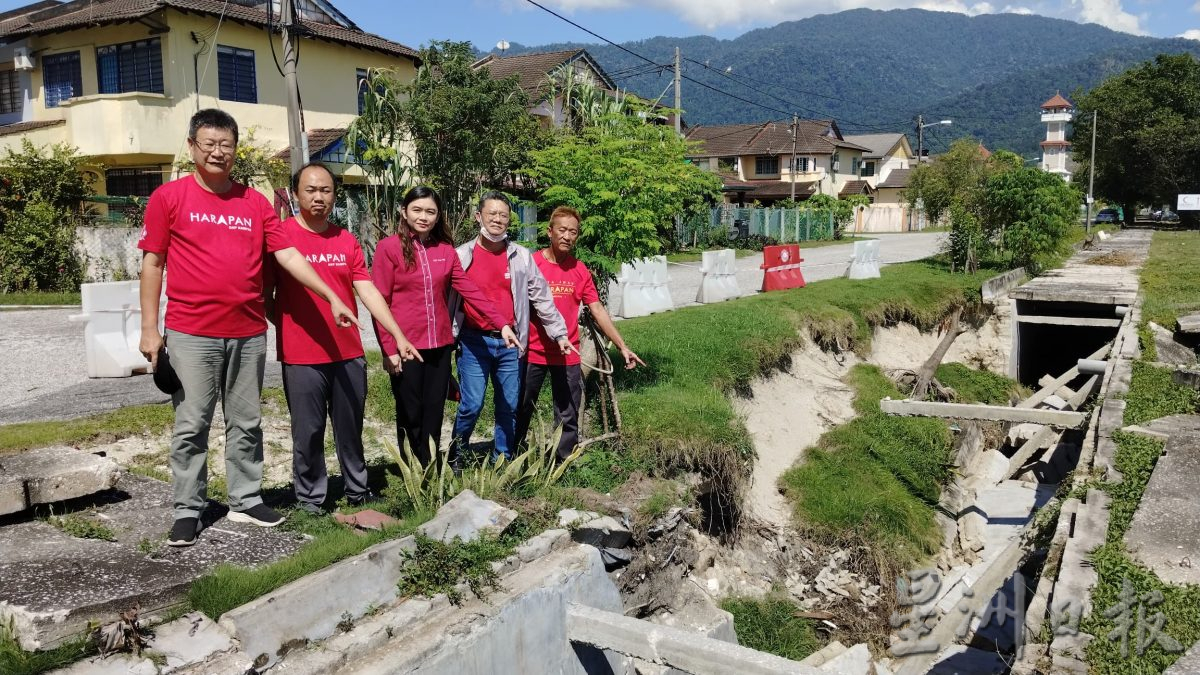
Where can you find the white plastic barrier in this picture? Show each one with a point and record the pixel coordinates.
(865, 262)
(114, 327)
(719, 280)
(643, 287)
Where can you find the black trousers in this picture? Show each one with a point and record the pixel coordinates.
(339, 391)
(566, 389)
(420, 393)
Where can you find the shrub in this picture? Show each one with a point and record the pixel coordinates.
(37, 250)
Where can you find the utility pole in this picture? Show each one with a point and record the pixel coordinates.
(678, 96)
(920, 138)
(792, 171)
(297, 141)
(1091, 177)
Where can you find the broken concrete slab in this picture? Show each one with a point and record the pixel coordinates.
(466, 517)
(854, 661)
(973, 411)
(192, 638)
(1187, 377)
(602, 532)
(960, 659)
(54, 474)
(52, 584)
(1076, 574)
(1188, 323)
(117, 664)
(1163, 535)
(542, 545)
(1189, 663)
(310, 608)
(1169, 351)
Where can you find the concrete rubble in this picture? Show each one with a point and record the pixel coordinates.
(54, 474)
(466, 516)
(1163, 535)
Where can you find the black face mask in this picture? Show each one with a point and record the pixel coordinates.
(164, 375)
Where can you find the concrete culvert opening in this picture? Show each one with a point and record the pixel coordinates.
(1050, 337)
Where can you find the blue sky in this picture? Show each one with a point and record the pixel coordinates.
(485, 22)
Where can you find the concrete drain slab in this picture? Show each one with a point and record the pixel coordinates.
(1163, 535)
(52, 584)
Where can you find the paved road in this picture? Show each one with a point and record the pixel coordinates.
(43, 372)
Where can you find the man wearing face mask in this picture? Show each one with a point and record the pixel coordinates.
(507, 274)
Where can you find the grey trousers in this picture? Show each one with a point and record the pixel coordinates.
(566, 385)
(338, 391)
(229, 369)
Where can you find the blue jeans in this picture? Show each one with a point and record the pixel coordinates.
(481, 357)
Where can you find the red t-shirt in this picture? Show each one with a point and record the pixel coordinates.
(307, 334)
(213, 246)
(490, 273)
(572, 286)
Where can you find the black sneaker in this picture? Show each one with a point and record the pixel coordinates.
(310, 508)
(259, 514)
(183, 532)
(365, 498)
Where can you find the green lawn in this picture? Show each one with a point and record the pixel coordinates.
(1171, 277)
(39, 298)
(113, 425)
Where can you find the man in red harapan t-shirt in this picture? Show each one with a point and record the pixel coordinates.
(212, 234)
(572, 286)
(324, 371)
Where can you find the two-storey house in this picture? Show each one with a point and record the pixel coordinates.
(766, 163)
(119, 79)
(885, 153)
(537, 76)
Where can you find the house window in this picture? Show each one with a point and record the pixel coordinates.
(835, 162)
(235, 74)
(868, 169)
(800, 165)
(854, 165)
(132, 66)
(11, 95)
(766, 165)
(61, 77)
(727, 164)
(132, 182)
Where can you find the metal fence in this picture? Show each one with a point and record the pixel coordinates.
(733, 223)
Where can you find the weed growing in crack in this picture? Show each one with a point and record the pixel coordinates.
(438, 567)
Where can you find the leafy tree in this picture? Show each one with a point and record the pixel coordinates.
(1030, 212)
(41, 190)
(842, 209)
(1147, 133)
(629, 179)
(470, 131)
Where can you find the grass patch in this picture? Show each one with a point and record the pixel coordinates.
(603, 469)
(435, 567)
(676, 412)
(112, 425)
(39, 298)
(1170, 280)
(875, 477)
(771, 625)
(1153, 394)
(82, 526)
(979, 386)
(229, 586)
(17, 661)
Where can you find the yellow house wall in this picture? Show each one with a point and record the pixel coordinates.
(142, 128)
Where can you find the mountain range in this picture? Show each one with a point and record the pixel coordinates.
(875, 71)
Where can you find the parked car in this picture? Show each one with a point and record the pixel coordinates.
(1108, 216)
(1164, 215)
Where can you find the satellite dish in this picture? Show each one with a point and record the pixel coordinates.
(502, 46)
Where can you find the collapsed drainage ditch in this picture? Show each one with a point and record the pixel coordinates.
(845, 589)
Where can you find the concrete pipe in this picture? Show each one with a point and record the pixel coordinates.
(1121, 310)
(1092, 366)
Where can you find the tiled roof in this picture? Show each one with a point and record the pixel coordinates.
(856, 187)
(84, 13)
(532, 69)
(898, 178)
(21, 127)
(770, 189)
(318, 141)
(1057, 101)
(814, 137)
(1055, 144)
(877, 145)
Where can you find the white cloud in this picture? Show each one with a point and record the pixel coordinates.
(1024, 11)
(1193, 34)
(1109, 13)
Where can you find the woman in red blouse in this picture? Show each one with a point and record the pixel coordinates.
(415, 269)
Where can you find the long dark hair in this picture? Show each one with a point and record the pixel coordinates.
(440, 231)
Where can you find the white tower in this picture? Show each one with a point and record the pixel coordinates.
(1056, 149)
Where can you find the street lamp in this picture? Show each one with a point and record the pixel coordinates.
(921, 134)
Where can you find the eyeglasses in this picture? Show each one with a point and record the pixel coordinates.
(208, 147)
